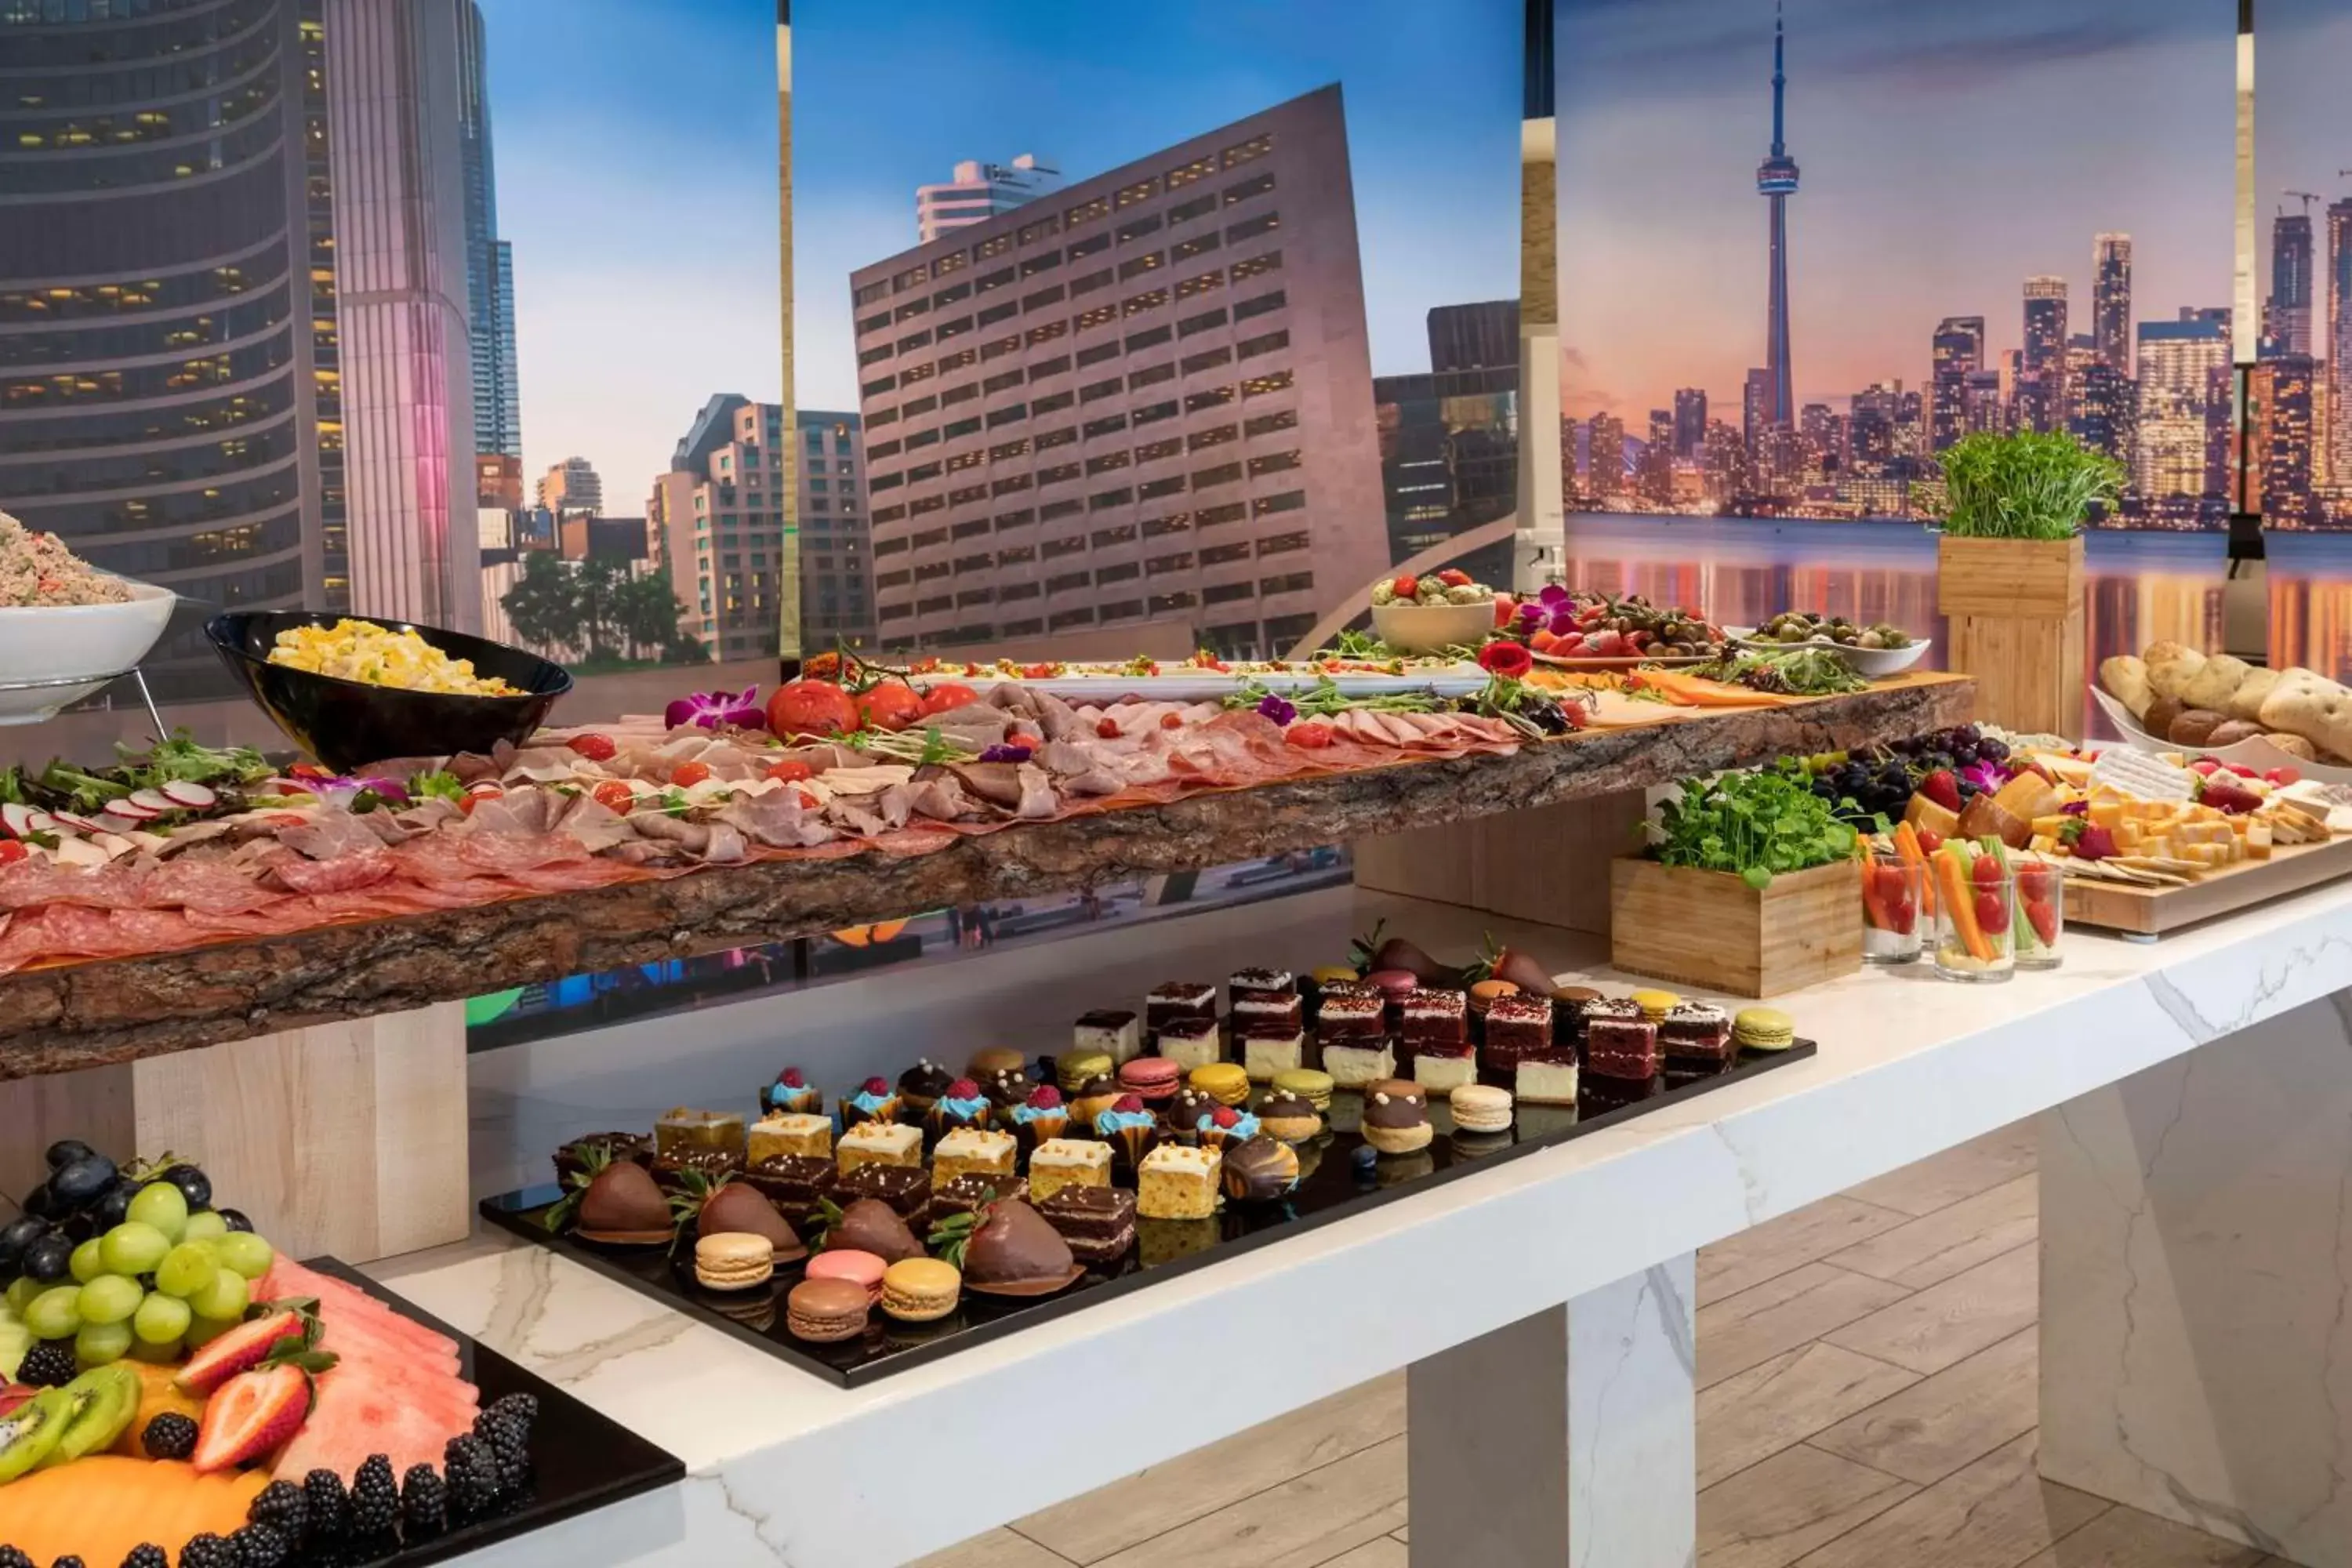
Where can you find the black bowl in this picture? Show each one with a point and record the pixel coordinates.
(345, 723)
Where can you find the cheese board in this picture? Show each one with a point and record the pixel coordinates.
(2155, 909)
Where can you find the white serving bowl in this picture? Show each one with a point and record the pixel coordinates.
(1426, 629)
(1871, 663)
(83, 645)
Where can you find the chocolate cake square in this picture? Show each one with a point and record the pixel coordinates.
(1696, 1032)
(905, 1188)
(1516, 1029)
(1176, 1000)
(966, 1193)
(1434, 1020)
(1283, 1011)
(1262, 982)
(1192, 1042)
(792, 1183)
(1622, 1048)
(1098, 1222)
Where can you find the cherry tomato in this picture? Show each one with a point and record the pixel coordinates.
(2033, 880)
(811, 707)
(892, 705)
(808, 800)
(790, 771)
(1405, 587)
(946, 695)
(1108, 729)
(688, 774)
(479, 793)
(1172, 721)
(614, 795)
(1454, 577)
(1310, 733)
(308, 770)
(1037, 672)
(1985, 872)
(596, 748)
(11, 851)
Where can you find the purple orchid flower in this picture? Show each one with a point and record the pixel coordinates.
(1987, 775)
(342, 789)
(2075, 808)
(1276, 708)
(1531, 615)
(1007, 751)
(1554, 598)
(710, 709)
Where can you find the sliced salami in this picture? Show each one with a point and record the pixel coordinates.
(350, 869)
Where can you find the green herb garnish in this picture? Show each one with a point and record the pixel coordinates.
(1754, 825)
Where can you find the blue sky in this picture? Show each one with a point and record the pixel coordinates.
(636, 160)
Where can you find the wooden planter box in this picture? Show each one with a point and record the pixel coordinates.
(1711, 929)
(2014, 615)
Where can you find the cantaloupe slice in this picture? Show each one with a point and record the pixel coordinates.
(100, 1507)
(156, 1398)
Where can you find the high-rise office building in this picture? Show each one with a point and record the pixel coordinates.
(978, 191)
(2111, 308)
(2179, 362)
(1481, 336)
(1957, 353)
(1982, 405)
(198, 392)
(2042, 397)
(2339, 342)
(1449, 441)
(1148, 400)
(2283, 391)
(498, 481)
(1690, 420)
(2103, 411)
(1604, 455)
(572, 485)
(2286, 318)
(489, 260)
(1656, 470)
(1776, 181)
(718, 520)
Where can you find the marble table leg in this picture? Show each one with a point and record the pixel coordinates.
(1568, 1438)
(2197, 1288)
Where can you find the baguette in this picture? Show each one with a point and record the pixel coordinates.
(2318, 709)
(2125, 678)
(2216, 682)
(2246, 702)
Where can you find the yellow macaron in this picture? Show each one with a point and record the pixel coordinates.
(921, 1289)
(1073, 1071)
(1228, 1082)
(1763, 1029)
(1654, 1004)
(1334, 974)
(1308, 1084)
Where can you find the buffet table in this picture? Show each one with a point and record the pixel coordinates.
(2193, 1227)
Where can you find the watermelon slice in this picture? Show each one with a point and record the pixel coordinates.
(338, 1300)
(359, 1413)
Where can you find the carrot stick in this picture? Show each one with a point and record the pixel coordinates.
(1955, 877)
(1907, 845)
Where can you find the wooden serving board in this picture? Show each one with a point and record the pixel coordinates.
(2151, 911)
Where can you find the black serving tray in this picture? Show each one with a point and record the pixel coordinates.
(1329, 1190)
(580, 1461)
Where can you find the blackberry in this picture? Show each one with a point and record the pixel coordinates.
(423, 1501)
(507, 1431)
(48, 1364)
(147, 1556)
(67, 1562)
(10, 1557)
(473, 1474)
(329, 1511)
(523, 1408)
(170, 1435)
(208, 1551)
(258, 1546)
(282, 1508)
(375, 1496)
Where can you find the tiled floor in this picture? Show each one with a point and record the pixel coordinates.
(1866, 1397)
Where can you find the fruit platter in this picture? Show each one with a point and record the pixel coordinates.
(176, 1394)
(896, 1221)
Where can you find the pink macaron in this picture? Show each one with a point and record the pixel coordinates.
(861, 1269)
(1393, 982)
(1151, 1078)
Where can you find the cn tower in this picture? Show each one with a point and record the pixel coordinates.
(1776, 181)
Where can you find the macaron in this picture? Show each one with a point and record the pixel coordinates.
(921, 1289)
(1308, 1084)
(1228, 1082)
(1333, 973)
(1483, 994)
(990, 1060)
(1654, 1004)
(1071, 1072)
(1393, 981)
(1763, 1029)
(1152, 1079)
(826, 1312)
(732, 1260)
(1480, 1107)
(863, 1269)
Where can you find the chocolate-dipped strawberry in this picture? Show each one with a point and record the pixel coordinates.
(735, 1208)
(1013, 1251)
(592, 1151)
(869, 1225)
(1371, 954)
(622, 1205)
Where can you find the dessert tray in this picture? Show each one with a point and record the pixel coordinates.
(1330, 1187)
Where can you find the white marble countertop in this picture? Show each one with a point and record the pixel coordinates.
(784, 1469)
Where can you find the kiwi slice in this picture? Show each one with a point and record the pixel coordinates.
(30, 1433)
(99, 1404)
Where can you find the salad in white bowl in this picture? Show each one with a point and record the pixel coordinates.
(66, 628)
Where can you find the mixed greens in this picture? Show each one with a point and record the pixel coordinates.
(179, 760)
(1798, 672)
(1754, 825)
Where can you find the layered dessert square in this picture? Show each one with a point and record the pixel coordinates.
(1351, 1016)
(1354, 1065)
(1108, 1032)
(791, 1132)
(1547, 1077)
(879, 1143)
(1177, 1182)
(792, 1183)
(1277, 1009)
(1434, 1020)
(1068, 1162)
(1269, 1047)
(1517, 1028)
(972, 1151)
(1620, 1043)
(1179, 999)
(1442, 1072)
(1246, 983)
(1699, 1032)
(1098, 1223)
(682, 1132)
(1192, 1042)
(906, 1189)
(967, 1193)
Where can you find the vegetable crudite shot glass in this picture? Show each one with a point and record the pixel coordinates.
(1894, 901)
(1976, 911)
(2041, 912)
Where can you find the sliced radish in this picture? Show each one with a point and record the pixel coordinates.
(42, 822)
(128, 812)
(17, 818)
(78, 822)
(153, 800)
(194, 796)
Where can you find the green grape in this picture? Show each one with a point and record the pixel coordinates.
(202, 1331)
(160, 1205)
(132, 1248)
(154, 1355)
(56, 1313)
(109, 1298)
(205, 1226)
(88, 1261)
(20, 1294)
(245, 1252)
(224, 1298)
(187, 1269)
(101, 1343)
(161, 1321)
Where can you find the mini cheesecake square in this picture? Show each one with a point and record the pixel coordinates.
(1626, 1049)
(1263, 1056)
(879, 1143)
(791, 1132)
(1350, 1018)
(1283, 1010)
(1178, 1183)
(1547, 1079)
(1068, 1162)
(1108, 1032)
(1357, 1063)
(1441, 1073)
(1192, 1042)
(1247, 982)
(1434, 1020)
(1179, 999)
(973, 1151)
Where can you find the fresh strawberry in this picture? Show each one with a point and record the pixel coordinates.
(251, 1415)
(793, 1078)
(1992, 913)
(242, 1349)
(2205, 766)
(1045, 1096)
(1943, 788)
(596, 748)
(1454, 577)
(2241, 769)
(2284, 777)
(2225, 795)
(2043, 916)
(2095, 844)
(1405, 587)
(1985, 872)
(877, 1085)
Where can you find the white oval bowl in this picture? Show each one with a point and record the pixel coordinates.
(83, 645)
